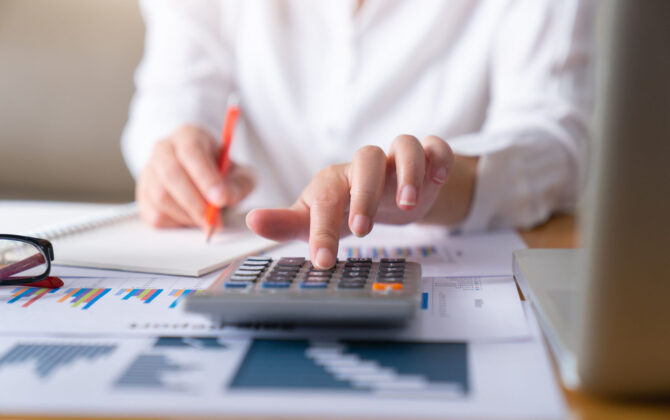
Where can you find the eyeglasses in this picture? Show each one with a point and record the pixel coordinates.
(24, 259)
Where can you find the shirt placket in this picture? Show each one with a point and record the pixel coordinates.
(342, 66)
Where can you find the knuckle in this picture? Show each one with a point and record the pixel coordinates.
(154, 218)
(169, 169)
(369, 152)
(162, 197)
(438, 147)
(185, 131)
(189, 143)
(324, 236)
(160, 148)
(328, 172)
(362, 194)
(437, 142)
(326, 199)
(404, 140)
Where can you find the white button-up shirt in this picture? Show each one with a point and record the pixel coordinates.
(502, 79)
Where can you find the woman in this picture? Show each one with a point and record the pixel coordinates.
(497, 92)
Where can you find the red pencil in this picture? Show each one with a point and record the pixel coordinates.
(224, 157)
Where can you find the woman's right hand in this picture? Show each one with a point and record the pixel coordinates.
(182, 177)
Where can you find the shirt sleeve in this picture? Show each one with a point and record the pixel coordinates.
(534, 142)
(184, 76)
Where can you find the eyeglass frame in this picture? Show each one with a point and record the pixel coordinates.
(45, 248)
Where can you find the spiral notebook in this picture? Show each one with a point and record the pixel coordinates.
(115, 238)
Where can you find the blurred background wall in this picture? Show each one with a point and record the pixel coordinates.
(66, 70)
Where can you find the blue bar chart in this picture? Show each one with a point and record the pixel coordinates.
(49, 358)
(362, 366)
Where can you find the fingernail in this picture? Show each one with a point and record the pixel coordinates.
(440, 175)
(324, 258)
(217, 195)
(360, 225)
(408, 195)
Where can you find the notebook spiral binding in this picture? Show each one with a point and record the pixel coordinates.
(93, 221)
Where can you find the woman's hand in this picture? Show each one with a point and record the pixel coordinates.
(182, 177)
(397, 188)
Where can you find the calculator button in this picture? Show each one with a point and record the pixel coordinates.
(312, 267)
(243, 277)
(390, 274)
(313, 273)
(276, 285)
(293, 261)
(383, 287)
(249, 270)
(392, 260)
(238, 285)
(287, 270)
(313, 285)
(390, 268)
(312, 279)
(354, 276)
(351, 285)
(388, 280)
(256, 263)
(357, 268)
(278, 279)
(289, 273)
(360, 260)
(266, 260)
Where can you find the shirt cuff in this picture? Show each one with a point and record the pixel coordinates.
(521, 185)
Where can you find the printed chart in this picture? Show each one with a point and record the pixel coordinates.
(205, 375)
(49, 358)
(84, 297)
(422, 252)
(361, 366)
(116, 300)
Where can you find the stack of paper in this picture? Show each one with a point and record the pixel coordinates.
(113, 342)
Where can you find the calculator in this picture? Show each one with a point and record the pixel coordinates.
(290, 290)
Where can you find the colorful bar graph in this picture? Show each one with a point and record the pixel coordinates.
(83, 296)
(427, 251)
(179, 295)
(145, 295)
(33, 293)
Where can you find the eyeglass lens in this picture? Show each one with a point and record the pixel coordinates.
(21, 260)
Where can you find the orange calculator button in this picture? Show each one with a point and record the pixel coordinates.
(382, 287)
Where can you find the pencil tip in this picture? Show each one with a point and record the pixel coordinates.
(209, 234)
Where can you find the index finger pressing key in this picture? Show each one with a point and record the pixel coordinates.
(326, 199)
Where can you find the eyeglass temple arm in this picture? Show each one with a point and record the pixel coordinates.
(20, 266)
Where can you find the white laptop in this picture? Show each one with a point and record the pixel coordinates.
(605, 310)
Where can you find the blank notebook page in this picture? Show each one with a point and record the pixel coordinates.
(133, 246)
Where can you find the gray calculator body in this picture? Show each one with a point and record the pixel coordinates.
(357, 291)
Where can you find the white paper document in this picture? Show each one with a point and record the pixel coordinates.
(115, 302)
(119, 343)
(272, 377)
(440, 254)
